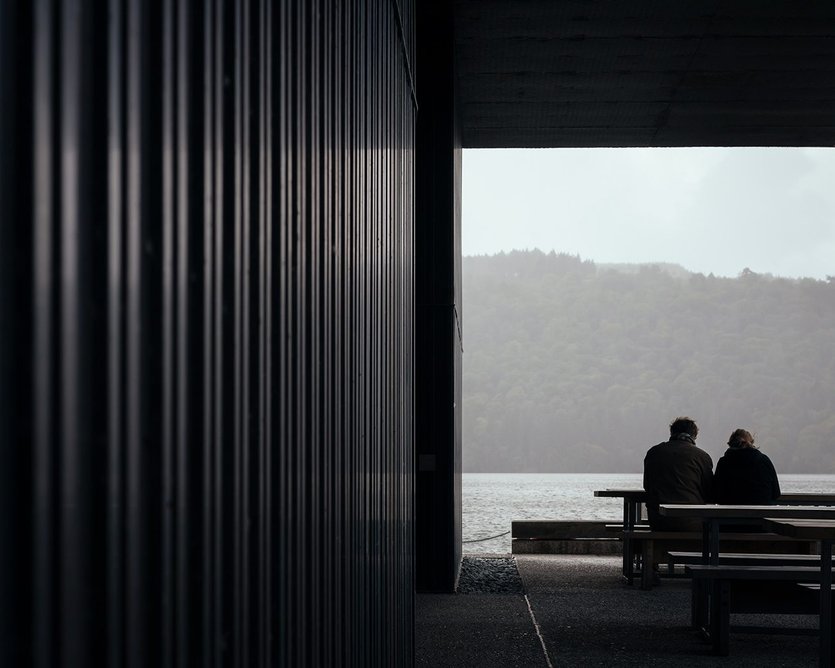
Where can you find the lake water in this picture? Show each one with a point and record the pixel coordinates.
(491, 501)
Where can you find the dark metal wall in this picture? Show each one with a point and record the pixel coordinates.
(206, 332)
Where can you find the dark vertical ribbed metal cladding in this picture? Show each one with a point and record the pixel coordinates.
(207, 332)
(18, 450)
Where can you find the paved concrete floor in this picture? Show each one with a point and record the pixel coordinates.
(586, 617)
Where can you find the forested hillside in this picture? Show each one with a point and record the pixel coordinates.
(574, 367)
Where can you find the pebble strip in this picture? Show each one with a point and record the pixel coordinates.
(489, 575)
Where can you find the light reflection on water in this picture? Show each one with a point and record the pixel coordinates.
(490, 501)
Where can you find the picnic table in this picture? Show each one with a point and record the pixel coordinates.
(633, 497)
(806, 499)
(632, 500)
(824, 532)
(801, 522)
(714, 515)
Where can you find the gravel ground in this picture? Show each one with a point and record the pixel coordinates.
(489, 575)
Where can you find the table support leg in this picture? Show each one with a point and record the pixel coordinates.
(714, 543)
(628, 552)
(701, 607)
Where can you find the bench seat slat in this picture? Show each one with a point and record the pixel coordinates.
(759, 536)
(619, 527)
(722, 572)
(744, 559)
(814, 586)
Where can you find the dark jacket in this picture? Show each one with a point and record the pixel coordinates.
(745, 476)
(676, 471)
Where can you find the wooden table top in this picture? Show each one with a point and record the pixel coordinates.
(796, 528)
(715, 511)
(807, 497)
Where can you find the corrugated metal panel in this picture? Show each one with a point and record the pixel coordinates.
(16, 507)
(207, 332)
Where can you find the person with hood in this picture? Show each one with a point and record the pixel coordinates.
(744, 475)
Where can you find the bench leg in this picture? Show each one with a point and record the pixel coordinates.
(695, 605)
(627, 556)
(628, 560)
(826, 604)
(647, 565)
(699, 605)
(720, 616)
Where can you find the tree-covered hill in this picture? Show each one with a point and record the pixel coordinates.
(575, 367)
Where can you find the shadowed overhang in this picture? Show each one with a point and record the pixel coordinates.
(562, 73)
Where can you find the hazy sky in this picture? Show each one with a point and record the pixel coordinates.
(710, 210)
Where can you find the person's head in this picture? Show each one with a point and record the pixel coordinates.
(740, 438)
(683, 425)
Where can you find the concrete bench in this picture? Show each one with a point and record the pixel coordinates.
(563, 537)
(752, 589)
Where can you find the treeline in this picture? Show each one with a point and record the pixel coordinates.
(571, 366)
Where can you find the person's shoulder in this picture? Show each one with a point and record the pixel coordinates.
(703, 454)
(751, 454)
(654, 455)
(761, 457)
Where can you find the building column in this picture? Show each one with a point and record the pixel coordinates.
(438, 330)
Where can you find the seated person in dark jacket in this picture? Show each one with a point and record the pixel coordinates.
(744, 475)
(676, 471)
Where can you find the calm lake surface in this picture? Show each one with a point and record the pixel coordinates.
(490, 501)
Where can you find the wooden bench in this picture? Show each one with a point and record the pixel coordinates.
(815, 587)
(760, 589)
(742, 559)
(650, 547)
(628, 552)
(619, 527)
